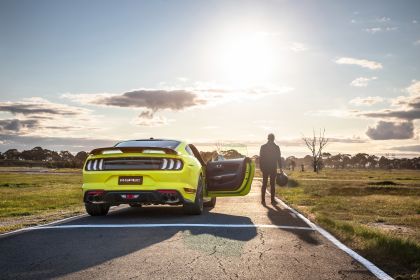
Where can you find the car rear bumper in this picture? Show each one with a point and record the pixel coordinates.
(171, 197)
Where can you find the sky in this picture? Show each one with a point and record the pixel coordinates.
(75, 75)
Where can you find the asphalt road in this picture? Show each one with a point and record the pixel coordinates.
(238, 239)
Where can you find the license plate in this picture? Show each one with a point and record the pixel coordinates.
(130, 180)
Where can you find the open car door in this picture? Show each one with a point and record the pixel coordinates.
(229, 177)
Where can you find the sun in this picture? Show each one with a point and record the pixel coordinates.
(247, 59)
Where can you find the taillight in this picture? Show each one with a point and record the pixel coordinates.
(95, 164)
(171, 164)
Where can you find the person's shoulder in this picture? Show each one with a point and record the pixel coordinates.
(264, 145)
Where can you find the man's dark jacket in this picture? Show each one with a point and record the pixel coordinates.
(270, 156)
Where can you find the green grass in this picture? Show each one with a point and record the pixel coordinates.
(27, 199)
(375, 212)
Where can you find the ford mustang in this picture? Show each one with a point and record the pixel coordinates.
(158, 171)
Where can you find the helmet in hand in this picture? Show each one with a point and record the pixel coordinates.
(282, 179)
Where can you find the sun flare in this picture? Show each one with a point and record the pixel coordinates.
(247, 59)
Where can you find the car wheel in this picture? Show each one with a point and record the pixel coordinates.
(135, 205)
(97, 209)
(211, 203)
(196, 208)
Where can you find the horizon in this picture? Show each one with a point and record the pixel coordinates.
(81, 75)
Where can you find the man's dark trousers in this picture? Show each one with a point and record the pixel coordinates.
(272, 176)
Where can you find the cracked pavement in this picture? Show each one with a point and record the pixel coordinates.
(179, 253)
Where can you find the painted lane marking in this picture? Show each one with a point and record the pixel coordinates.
(113, 209)
(379, 273)
(170, 225)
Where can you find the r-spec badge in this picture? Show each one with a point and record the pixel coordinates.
(130, 180)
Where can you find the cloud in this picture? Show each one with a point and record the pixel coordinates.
(412, 114)
(391, 130)
(373, 30)
(176, 99)
(148, 118)
(410, 148)
(408, 107)
(362, 81)
(366, 101)
(336, 113)
(417, 43)
(37, 116)
(414, 88)
(15, 125)
(383, 19)
(360, 62)
(39, 106)
(152, 99)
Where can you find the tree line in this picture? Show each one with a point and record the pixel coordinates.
(347, 161)
(64, 159)
(42, 157)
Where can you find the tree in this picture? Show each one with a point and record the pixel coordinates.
(360, 160)
(11, 154)
(315, 145)
(232, 154)
(81, 156)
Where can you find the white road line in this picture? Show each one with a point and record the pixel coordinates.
(171, 225)
(50, 223)
(366, 263)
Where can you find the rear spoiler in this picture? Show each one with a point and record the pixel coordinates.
(133, 150)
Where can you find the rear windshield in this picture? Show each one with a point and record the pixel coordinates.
(171, 144)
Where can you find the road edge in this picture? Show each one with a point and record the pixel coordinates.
(379, 273)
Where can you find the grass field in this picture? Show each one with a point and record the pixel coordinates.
(30, 196)
(375, 212)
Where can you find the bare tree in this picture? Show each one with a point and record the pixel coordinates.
(315, 145)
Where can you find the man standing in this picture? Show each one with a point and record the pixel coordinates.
(270, 156)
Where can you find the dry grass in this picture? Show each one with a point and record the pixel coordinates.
(376, 212)
(32, 198)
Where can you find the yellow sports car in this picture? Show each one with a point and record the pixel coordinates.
(158, 171)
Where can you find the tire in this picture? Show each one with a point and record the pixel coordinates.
(135, 205)
(210, 203)
(97, 209)
(196, 208)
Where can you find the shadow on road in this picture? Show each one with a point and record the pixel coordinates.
(278, 215)
(51, 253)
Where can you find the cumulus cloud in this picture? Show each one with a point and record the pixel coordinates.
(373, 65)
(366, 101)
(152, 99)
(414, 88)
(362, 81)
(176, 99)
(391, 130)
